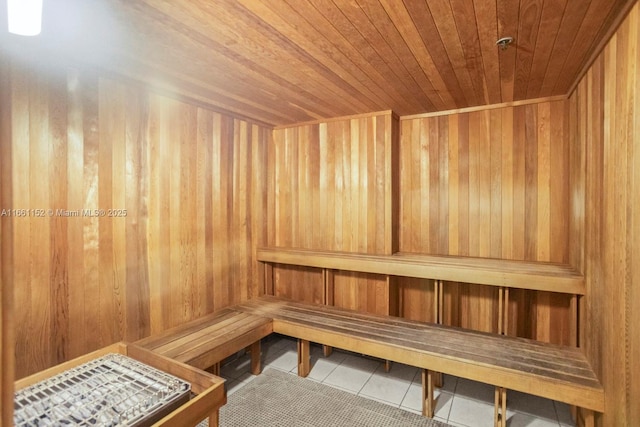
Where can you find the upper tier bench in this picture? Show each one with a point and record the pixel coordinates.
(540, 276)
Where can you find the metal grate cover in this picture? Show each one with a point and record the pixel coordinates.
(112, 390)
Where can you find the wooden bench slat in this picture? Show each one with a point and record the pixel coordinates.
(561, 361)
(449, 352)
(400, 325)
(562, 357)
(571, 393)
(556, 372)
(537, 267)
(493, 272)
(430, 339)
(203, 344)
(210, 334)
(211, 338)
(171, 334)
(206, 355)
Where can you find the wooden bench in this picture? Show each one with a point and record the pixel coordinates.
(540, 276)
(500, 273)
(504, 274)
(204, 342)
(556, 372)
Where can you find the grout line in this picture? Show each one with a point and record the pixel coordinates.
(376, 399)
(453, 395)
(331, 372)
(367, 381)
(555, 409)
(409, 388)
(280, 344)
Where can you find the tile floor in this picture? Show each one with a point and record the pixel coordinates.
(459, 402)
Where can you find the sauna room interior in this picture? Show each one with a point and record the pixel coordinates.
(463, 163)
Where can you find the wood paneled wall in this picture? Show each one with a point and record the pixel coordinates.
(491, 183)
(7, 345)
(605, 111)
(192, 183)
(330, 187)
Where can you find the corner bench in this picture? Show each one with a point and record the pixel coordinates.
(555, 372)
(552, 371)
(204, 342)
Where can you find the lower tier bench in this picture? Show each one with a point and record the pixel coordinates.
(555, 372)
(204, 342)
(551, 371)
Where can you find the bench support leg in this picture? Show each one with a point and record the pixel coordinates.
(387, 365)
(214, 419)
(327, 350)
(585, 418)
(214, 369)
(500, 416)
(438, 314)
(438, 379)
(256, 366)
(428, 403)
(303, 358)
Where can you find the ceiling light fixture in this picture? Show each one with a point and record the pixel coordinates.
(504, 42)
(25, 17)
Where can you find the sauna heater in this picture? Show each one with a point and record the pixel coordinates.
(113, 390)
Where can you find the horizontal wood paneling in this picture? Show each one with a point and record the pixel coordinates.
(605, 109)
(330, 188)
(489, 184)
(192, 183)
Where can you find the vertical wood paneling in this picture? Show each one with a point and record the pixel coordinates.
(76, 200)
(489, 183)
(605, 218)
(111, 137)
(7, 343)
(158, 262)
(88, 278)
(507, 184)
(495, 161)
(179, 193)
(332, 184)
(136, 199)
(58, 197)
(464, 182)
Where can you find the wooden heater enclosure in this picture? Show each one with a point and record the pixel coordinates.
(135, 197)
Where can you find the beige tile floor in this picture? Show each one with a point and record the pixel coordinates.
(459, 402)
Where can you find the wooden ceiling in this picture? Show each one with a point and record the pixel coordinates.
(288, 61)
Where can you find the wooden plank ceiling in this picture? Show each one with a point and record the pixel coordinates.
(288, 61)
